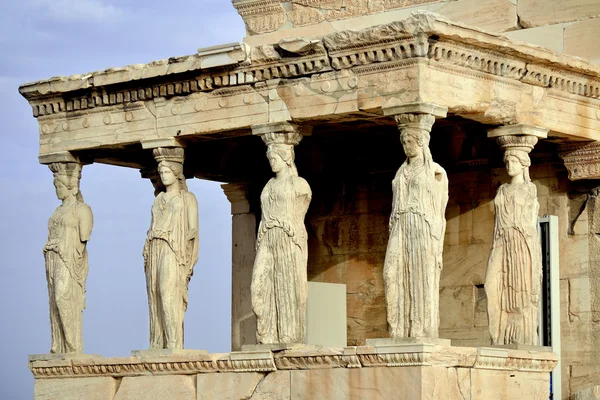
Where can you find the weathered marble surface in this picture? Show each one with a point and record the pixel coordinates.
(69, 230)
(353, 372)
(514, 271)
(279, 278)
(413, 260)
(170, 251)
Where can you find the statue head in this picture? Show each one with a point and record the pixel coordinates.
(281, 156)
(67, 176)
(517, 162)
(516, 154)
(170, 166)
(414, 135)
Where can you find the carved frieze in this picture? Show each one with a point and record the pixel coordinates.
(266, 361)
(582, 160)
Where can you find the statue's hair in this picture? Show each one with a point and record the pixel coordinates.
(69, 174)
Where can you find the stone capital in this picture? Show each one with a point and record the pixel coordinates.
(415, 108)
(582, 160)
(518, 137)
(237, 194)
(59, 157)
(283, 132)
(519, 130)
(415, 115)
(161, 142)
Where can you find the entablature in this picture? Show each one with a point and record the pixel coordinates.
(224, 90)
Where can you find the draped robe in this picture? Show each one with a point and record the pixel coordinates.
(413, 259)
(279, 278)
(169, 259)
(66, 272)
(514, 271)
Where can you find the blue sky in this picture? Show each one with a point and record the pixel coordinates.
(44, 38)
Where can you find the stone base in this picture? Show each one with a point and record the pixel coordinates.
(521, 347)
(412, 371)
(166, 352)
(279, 347)
(409, 341)
(61, 356)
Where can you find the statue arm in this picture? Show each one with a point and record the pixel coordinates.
(86, 221)
(536, 207)
(192, 214)
(442, 178)
(303, 189)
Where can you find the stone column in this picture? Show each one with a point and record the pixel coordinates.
(279, 288)
(243, 242)
(514, 271)
(171, 247)
(413, 260)
(65, 254)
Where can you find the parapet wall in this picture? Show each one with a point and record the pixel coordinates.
(419, 371)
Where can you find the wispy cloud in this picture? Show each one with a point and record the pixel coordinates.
(77, 10)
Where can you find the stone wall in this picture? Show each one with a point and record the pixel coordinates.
(562, 26)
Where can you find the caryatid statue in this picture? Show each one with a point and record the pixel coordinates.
(514, 270)
(279, 279)
(69, 230)
(171, 251)
(413, 260)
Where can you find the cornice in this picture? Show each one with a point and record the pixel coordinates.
(424, 36)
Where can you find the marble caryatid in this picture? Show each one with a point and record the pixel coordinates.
(69, 230)
(514, 270)
(279, 279)
(413, 260)
(171, 251)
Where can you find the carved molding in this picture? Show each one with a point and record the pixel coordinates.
(582, 160)
(266, 361)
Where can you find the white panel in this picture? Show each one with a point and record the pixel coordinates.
(326, 314)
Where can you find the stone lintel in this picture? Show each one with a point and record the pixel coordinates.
(416, 108)
(61, 156)
(161, 142)
(237, 194)
(581, 159)
(518, 130)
